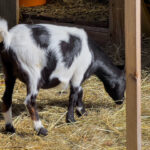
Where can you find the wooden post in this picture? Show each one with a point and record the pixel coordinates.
(133, 72)
(116, 21)
(9, 9)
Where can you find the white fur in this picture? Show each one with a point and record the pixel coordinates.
(79, 108)
(8, 116)
(80, 88)
(38, 125)
(4, 34)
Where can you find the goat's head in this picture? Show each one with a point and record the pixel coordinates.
(115, 87)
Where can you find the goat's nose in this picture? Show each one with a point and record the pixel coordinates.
(119, 102)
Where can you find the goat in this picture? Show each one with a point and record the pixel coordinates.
(43, 56)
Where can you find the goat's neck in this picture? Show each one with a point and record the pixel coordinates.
(105, 70)
(102, 65)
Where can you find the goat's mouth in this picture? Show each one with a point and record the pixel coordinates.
(119, 102)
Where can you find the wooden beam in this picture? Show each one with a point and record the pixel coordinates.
(9, 9)
(133, 72)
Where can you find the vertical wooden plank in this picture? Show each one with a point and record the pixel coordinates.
(9, 11)
(116, 21)
(133, 72)
(17, 11)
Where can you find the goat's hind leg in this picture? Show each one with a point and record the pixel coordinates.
(7, 102)
(30, 103)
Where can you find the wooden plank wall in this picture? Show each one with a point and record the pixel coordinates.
(9, 9)
(100, 35)
(133, 72)
(116, 21)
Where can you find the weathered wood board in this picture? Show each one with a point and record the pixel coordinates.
(133, 73)
(116, 21)
(9, 9)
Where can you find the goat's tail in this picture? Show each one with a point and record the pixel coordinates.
(4, 34)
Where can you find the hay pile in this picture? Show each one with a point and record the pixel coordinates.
(92, 13)
(103, 129)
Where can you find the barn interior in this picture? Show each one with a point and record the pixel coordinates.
(82, 12)
(105, 125)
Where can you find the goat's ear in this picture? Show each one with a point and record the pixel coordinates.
(121, 67)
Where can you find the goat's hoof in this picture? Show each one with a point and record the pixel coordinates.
(43, 132)
(9, 128)
(70, 119)
(81, 112)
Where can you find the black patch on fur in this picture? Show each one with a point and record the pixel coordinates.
(45, 82)
(71, 49)
(33, 98)
(89, 72)
(12, 66)
(1, 46)
(7, 97)
(9, 128)
(40, 35)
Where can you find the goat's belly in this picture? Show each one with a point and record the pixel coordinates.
(58, 76)
(55, 82)
(46, 84)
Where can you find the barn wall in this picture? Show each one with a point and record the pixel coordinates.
(9, 11)
(116, 21)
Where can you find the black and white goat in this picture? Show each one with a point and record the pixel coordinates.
(43, 56)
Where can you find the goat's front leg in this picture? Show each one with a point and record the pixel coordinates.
(74, 91)
(7, 102)
(30, 103)
(80, 109)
